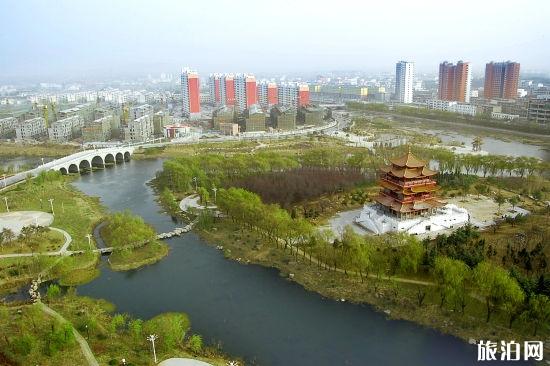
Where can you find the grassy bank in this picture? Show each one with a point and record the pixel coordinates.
(124, 260)
(30, 336)
(38, 150)
(75, 213)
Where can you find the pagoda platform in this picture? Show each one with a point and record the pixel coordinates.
(376, 219)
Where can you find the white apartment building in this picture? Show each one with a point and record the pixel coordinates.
(140, 129)
(215, 89)
(7, 125)
(288, 95)
(451, 106)
(65, 129)
(31, 128)
(240, 91)
(404, 75)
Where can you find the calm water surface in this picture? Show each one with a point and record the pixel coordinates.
(251, 310)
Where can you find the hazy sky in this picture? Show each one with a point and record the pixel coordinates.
(73, 37)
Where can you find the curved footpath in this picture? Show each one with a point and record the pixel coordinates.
(61, 251)
(86, 351)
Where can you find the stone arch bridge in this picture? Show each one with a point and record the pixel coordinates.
(82, 161)
(87, 160)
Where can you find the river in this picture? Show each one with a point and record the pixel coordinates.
(250, 309)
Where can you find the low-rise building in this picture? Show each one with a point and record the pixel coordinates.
(283, 119)
(7, 126)
(254, 118)
(451, 106)
(140, 129)
(538, 110)
(311, 115)
(176, 131)
(65, 129)
(31, 129)
(98, 130)
(229, 129)
(225, 114)
(504, 116)
(160, 120)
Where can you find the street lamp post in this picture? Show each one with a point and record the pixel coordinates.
(195, 180)
(152, 338)
(7, 207)
(51, 205)
(215, 191)
(42, 161)
(89, 236)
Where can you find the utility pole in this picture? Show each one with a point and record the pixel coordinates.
(152, 338)
(7, 207)
(51, 205)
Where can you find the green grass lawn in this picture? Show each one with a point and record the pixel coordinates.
(49, 242)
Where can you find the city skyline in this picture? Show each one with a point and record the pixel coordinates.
(130, 39)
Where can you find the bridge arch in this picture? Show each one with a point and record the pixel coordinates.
(97, 162)
(109, 159)
(126, 156)
(84, 166)
(63, 170)
(119, 158)
(73, 168)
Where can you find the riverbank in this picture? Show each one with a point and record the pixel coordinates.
(136, 258)
(36, 150)
(43, 334)
(397, 299)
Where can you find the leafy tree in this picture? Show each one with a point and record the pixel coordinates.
(500, 200)
(23, 344)
(410, 255)
(170, 327)
(538, 311)
(7, 235)
(53, 292)
(117, 323)
(451, 276)
(136, 328)
(195, 343)
(498, 288)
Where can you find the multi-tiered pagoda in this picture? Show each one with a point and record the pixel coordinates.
(408, 187)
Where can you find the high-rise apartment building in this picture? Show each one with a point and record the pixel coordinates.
(215, 89)
(404, 75)
(454, 81)
(190, 93)
(501, 80)
(267, 94)
(245, 92)
(293, 95)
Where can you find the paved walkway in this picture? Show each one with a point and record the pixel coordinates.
(192, 201)
(86, 351)
(16, 220)
(62, 251)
